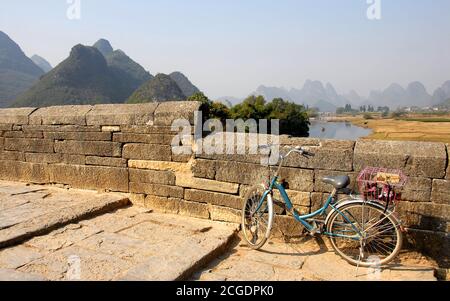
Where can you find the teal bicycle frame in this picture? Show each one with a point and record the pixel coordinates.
(303, 219)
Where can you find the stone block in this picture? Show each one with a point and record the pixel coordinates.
(2, 143)
(148, 129)
(80, 136)
(73, 159)
(23, 134)
(15, 116)
(417, 190)
(186, 180)
(111, 128)
(425, 216)
(242, 173)
(61, 128)
(297, 198)
(320, 186)
(92, 148)
(137, 199)
(5, 127)
(165, 139)
(147, 152)
(90, 177)
(24, 172)
(43, 158)
(118, 114)
(12, 156)
(60, 115)
(319, 199)
(167, 112)
(204, 169)
(106, 161)
(29, 145)
(152, 176)
(440, 193)
(296, 178)
(287, 226)
(329, 154)
(213, 198)
(223, 214)
(157, 189)
(417, 159)
(160, 165)
(162, 204)
(193, 209)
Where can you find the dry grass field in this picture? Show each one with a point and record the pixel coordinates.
(410, 128)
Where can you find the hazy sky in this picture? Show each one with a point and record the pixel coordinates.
(230, 47)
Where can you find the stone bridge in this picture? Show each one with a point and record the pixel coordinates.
(127, 149)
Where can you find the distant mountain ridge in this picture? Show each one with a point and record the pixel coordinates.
(158, 89)
(83, 78)
(326, 99)
(17, 71)
(41, 63)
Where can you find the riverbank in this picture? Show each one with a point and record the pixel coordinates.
(426, 129)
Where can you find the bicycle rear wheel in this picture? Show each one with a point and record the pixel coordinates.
(377, 241)
(257, 220)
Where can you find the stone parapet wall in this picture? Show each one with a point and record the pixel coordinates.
(127, 148)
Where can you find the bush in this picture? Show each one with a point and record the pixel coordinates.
(368, 116)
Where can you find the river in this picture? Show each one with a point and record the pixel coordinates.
(337, 130)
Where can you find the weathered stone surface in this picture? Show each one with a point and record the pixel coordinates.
(193, 209)
(186, 180)
(106, 161)
(23, 134)
(297, 179)
(318, 199)
(320, 186)
(164, 139)
(29, 145)
(15, 116)
(118, 114)
(297, 198)
(213, 198)
(157, 189)
(204, 169)
(16, 257)
(90, 177)
(93, 148)
(60, 115)
(160, 165)
(111, 128)
(162, 204)
(426, 216)
(13, 156)
(329, 154)
(24, 172)
(61, 128)
(43, 158)
(73, 159)
(167, 112)
(287, 225)
(137, 199)
(13, 275)
(2, 143)
(147, 152)
(417, 189)
(418, 159)
(242, 173)
(5, 127)
(152, 176)
(441, 192)
(148, 129)
(223, 214)
(80, 136)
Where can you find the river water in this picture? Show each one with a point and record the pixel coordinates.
(337, 130)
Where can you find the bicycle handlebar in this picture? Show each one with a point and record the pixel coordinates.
(298, 149)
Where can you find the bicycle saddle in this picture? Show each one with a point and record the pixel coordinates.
(338, 182)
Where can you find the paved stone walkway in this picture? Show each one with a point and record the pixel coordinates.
(49, 233)
(307, 259)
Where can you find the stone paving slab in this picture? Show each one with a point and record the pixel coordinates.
(127, 244)
(306, 259)
(29, 210)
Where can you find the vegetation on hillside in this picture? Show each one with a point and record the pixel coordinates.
(160, 88)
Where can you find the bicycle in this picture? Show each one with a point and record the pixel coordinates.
(359, 229)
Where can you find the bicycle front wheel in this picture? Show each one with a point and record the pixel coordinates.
(257, 217)
(364, 234)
